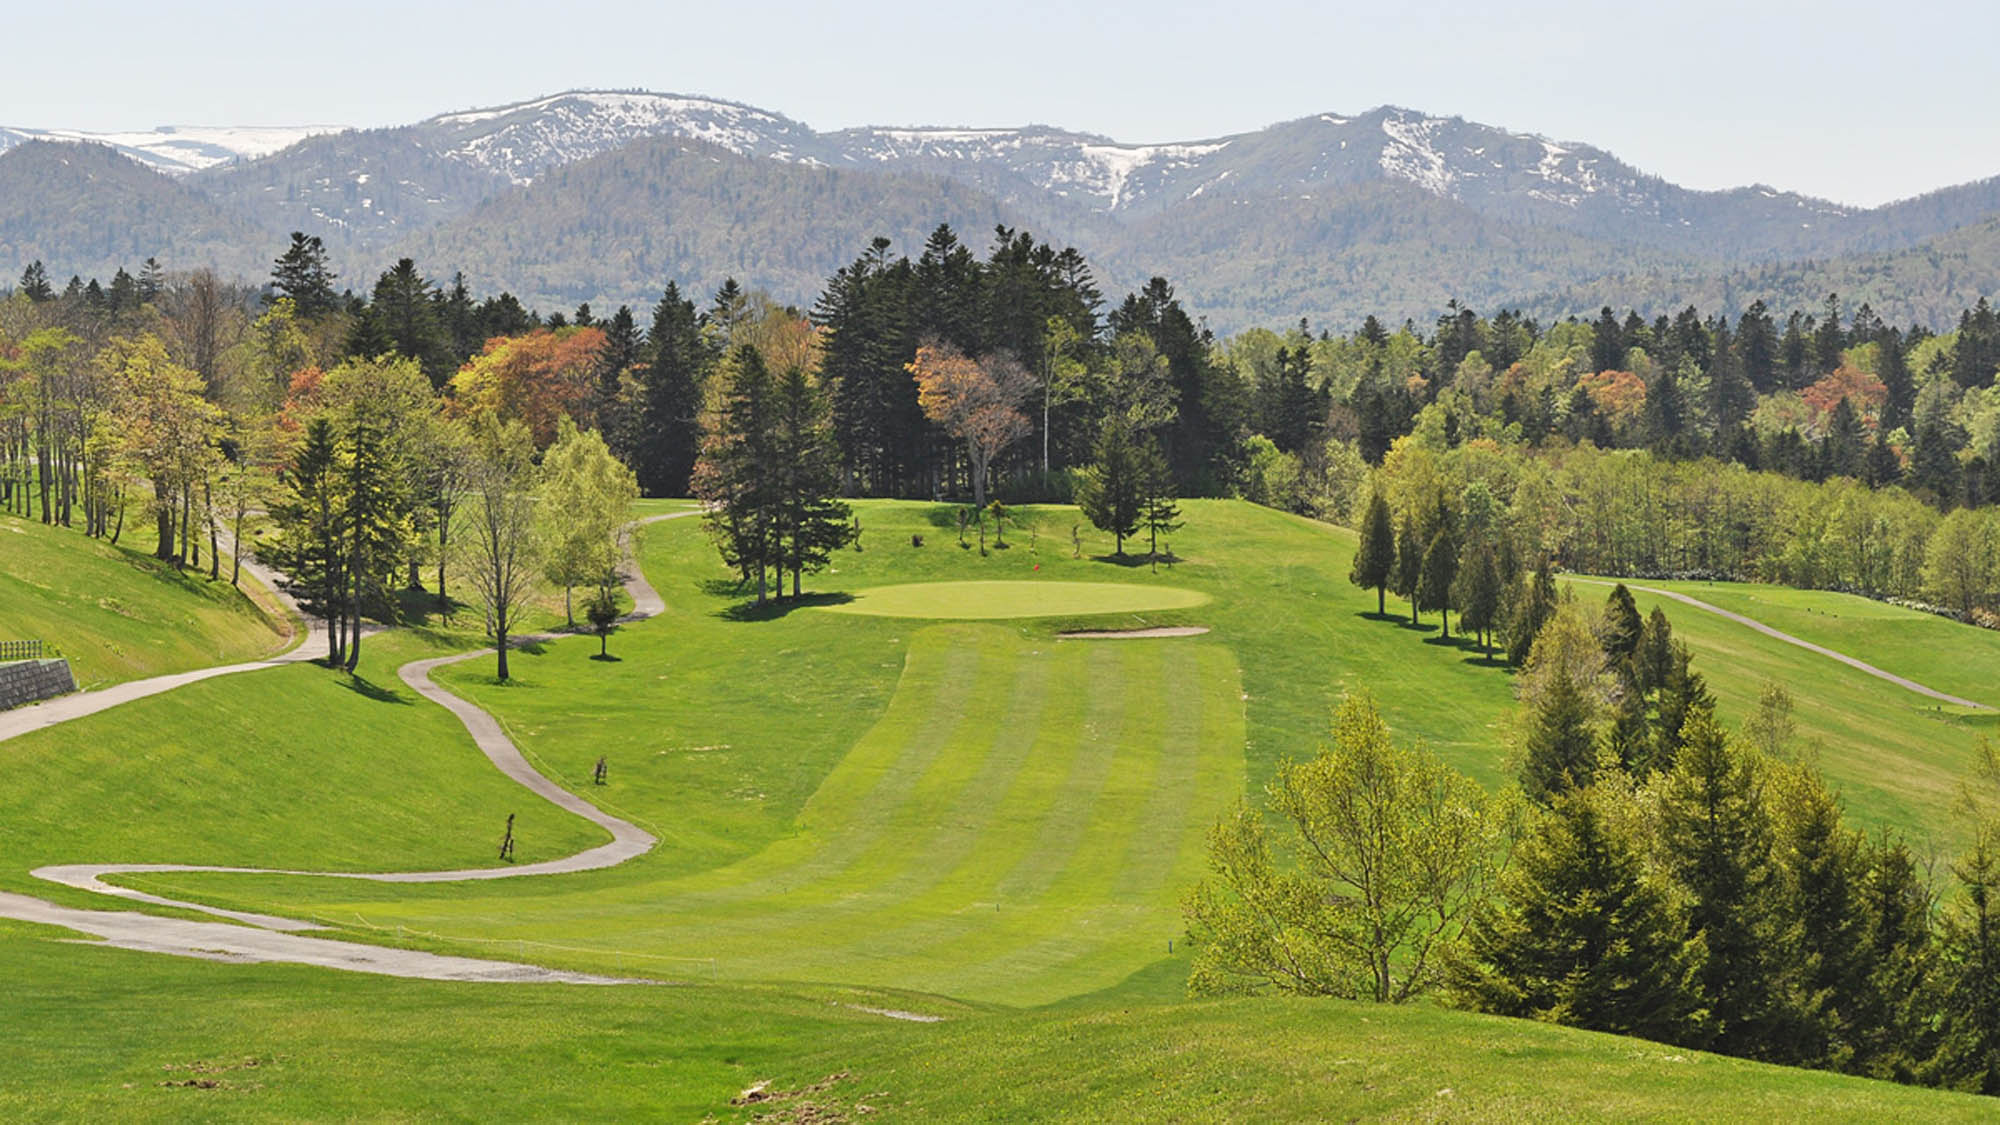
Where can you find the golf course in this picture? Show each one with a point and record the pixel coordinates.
(864, 850)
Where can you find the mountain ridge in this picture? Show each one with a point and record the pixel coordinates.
(1326, 214)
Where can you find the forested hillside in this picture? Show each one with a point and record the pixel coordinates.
(1391, 212)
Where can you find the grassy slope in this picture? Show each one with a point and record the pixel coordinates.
(1934, 651)
(1897, 757)
(95, 1034)
(735, 716)
(117, 613)
(719, 732)
(293, 766)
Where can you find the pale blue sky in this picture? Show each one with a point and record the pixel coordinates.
(1857, 102)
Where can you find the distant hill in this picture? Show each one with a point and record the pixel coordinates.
(1391, 211)
(615, 228)
(85, 209)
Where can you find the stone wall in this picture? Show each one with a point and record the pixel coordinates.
(25, 681)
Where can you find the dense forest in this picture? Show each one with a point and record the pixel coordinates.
(1819, 447)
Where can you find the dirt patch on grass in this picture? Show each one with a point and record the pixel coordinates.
(808, 1105)
(1124, 634)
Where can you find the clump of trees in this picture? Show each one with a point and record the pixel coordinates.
(1665, 877)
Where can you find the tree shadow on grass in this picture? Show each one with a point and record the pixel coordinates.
(776, 608)
(369, 689)
(1135, 560)
(607, 658)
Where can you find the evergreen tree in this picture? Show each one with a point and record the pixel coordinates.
(1111, 492)
(35, 283)
(1559, 747)
(670, 427)
(810, 521)
(1435, 582)
(619, 353)
(1757, 346)
(1621, 627)
(1716, 839)
(1532, 611)
(402, 318)
(1160, 513)
(152, 281)
(1893, 1026)
(1579, 933)
(738, 477)
(308, 548)
(1681, 699)
(1824, 870)
(1477, 595)
(1375, 557)
(301, 273)
(1409, 564)
(1968, 1051)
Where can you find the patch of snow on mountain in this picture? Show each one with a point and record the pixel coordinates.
(1116, 164)
(522, 140)
(1411, 153)
(179, 149)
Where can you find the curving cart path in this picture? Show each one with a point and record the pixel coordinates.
(263, 937)
(1859, 665)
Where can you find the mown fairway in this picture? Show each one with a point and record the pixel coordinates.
(119, 614)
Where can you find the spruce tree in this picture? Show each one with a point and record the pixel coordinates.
(1620, 627)
(1434, 584)
(1579, 933)
(1559, 747)
(670, 428)
(35, 283)
(1968, 1019)
(811, 522)
(1824, 870)
(739, 478)
(1409, 564)
(1111, 491)
(1477, 594)
(152, 281)
(1716, 838)
(1375, 557)
(301, 273)
(1532, 611)
(1160, 512)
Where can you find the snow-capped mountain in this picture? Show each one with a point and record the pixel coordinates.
(519, 141)
(180, 149)
(560, 197)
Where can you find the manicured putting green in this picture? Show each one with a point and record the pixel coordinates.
(987, 600)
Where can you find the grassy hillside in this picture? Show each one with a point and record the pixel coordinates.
(972, 819)
(104, 1034)
(117, 613)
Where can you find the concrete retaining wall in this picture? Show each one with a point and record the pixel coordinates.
(26, 681)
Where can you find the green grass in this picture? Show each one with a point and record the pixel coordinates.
(1016, 828)
(974, 819)
(1896, 757)
(96, 1034)
(990, 600)
(294, 766)
(1934, 651)
(120, 614)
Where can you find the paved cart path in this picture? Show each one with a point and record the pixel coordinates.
(1859, 665)
(264, 937)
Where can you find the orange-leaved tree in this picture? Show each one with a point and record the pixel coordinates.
(536, 378)
(977, 401)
